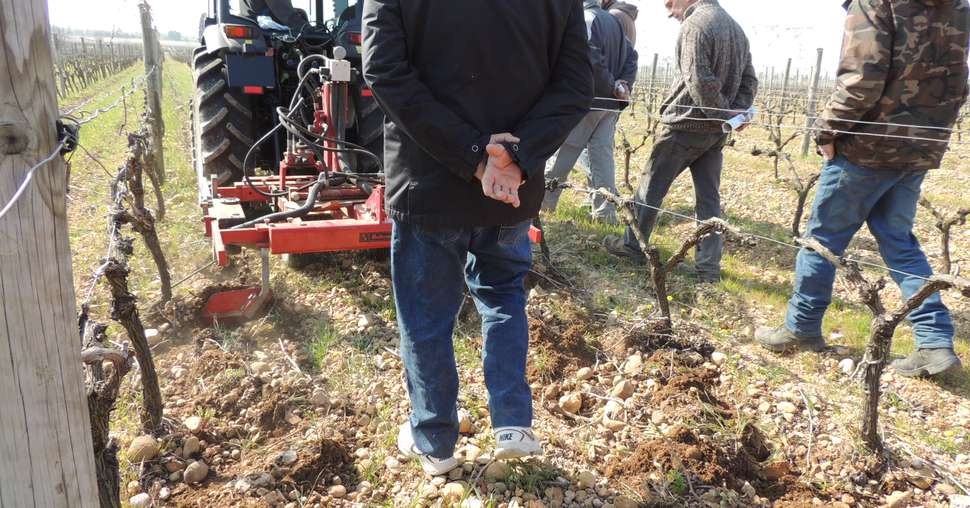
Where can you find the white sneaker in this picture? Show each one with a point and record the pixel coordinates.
(430, 465)
(515, 443)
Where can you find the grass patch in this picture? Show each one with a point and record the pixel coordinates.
(325, 337)
(531, 477)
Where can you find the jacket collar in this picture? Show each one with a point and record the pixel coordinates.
(589, 4)
(690, 10)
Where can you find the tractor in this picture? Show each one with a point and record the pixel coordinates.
(287, 143)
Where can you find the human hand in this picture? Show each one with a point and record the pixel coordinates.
(828, 151)
(501, 176)
(504, 137)
(621, 90)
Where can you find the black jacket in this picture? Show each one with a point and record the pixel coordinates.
(449, 74)
(614, 58)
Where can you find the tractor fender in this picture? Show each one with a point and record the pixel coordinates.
(214, 39)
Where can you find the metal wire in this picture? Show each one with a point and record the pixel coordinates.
(118, 102)
(29, 178)
(806, 129)
(695, 220)
(813, 118)
(141, 79)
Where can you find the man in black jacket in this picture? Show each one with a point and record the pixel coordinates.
(478, 94)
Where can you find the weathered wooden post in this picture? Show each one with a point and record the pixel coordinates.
(153, 89)
(812, 106)
(45, 441)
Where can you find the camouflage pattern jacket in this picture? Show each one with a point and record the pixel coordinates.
(903, 62)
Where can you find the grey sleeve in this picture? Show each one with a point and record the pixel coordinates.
(749, 87)
(701, 81)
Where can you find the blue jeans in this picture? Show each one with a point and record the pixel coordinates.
(848, 196)
(429, 267)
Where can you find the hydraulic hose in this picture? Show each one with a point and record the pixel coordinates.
(307, 206)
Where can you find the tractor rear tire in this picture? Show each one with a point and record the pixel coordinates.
(223, 124)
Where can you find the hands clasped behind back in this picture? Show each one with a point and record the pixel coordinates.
(501, 177)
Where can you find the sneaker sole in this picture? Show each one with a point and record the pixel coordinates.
(505, 454)
(411, 454)
(801, 345)
(931, 370)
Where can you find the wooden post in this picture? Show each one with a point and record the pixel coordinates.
(153, 89)
(812, 106)
(46, 432)
(652, 85)
(784, 85)
(771, 83)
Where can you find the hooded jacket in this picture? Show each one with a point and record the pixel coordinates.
(626, 14)
(904, 62)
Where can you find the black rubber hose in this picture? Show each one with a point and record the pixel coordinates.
(311, 200)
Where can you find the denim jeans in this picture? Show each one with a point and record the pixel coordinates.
(673, 152)
(429, 267)
(593, 137)
(848, 196)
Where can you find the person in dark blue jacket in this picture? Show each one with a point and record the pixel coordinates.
(614, 71)
(478, 94)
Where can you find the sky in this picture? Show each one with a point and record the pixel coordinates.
(778, 29)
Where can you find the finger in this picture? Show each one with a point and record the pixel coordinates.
(488, 182)
(503, 194)
(496, 150)
(504, 137)
(499, 156)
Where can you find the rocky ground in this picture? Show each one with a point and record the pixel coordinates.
(301, 407)
(629, 417)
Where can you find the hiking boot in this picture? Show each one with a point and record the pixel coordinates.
(431, 465)
(515, 443)
(927, 362)
(616, 246)
(781, 340)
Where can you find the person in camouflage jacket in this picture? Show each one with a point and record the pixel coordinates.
(901, 83)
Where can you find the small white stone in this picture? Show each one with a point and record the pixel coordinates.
(286, 458)
(847, 366)
(718, 358)
(142, 500)
(586, 480)
(195, 472)
(190, 446)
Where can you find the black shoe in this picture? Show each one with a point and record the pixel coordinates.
(699, 276)
(927, 362)
(781, 340)
(616, 246)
